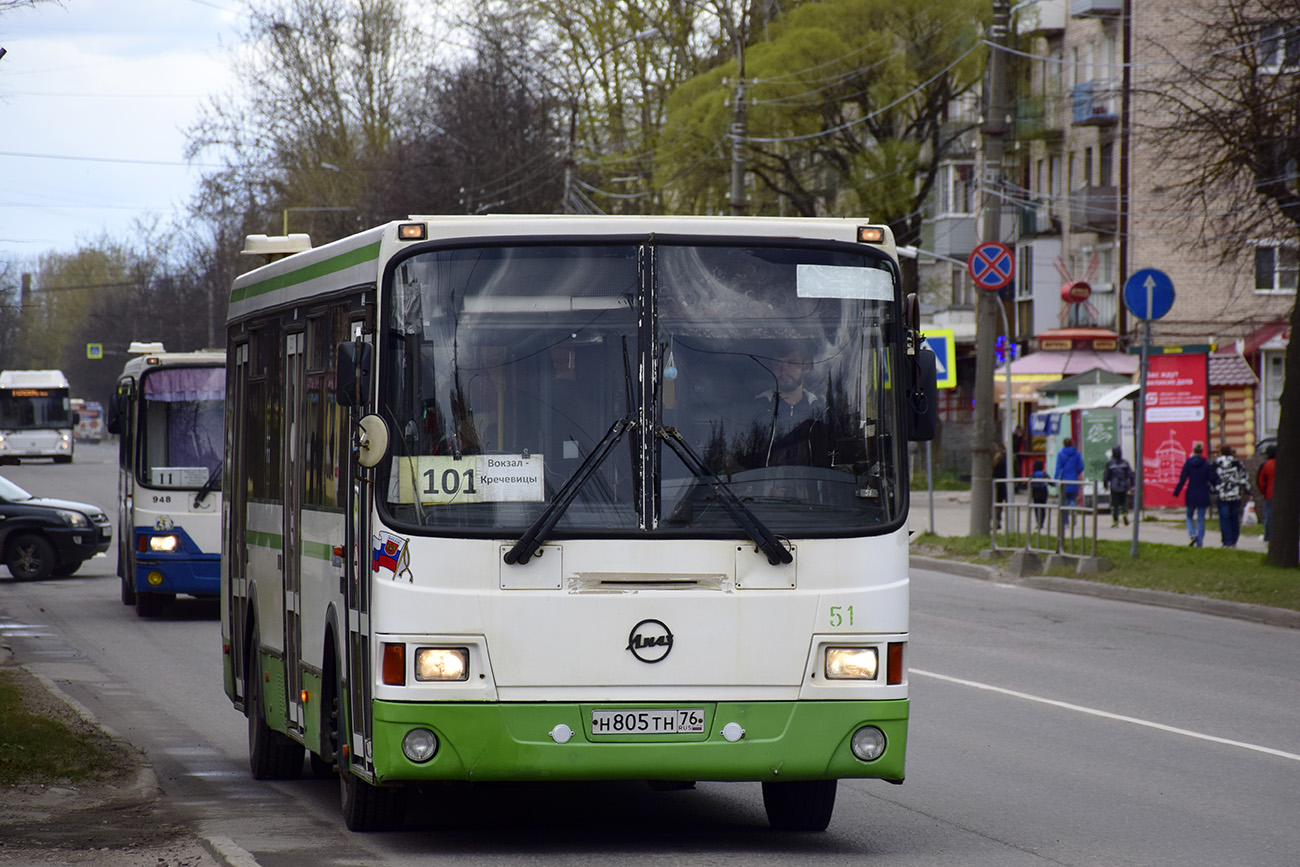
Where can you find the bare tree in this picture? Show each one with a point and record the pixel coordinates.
(324, 85)
(1232, 104)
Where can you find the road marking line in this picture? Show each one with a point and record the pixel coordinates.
(1107, 715)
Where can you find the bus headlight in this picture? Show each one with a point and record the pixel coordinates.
(164, 544)
(419, 745)
(851, 663)
(868, 743)
(441, 663)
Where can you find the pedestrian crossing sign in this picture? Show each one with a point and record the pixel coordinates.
(943, 344)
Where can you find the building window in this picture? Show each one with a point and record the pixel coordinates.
(1279, 47)
(963, 288)
(1275, 267)
(956, 189)
(1106, 164)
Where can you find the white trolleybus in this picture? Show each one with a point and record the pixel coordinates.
(169, 412)
(36, 416)
(574, 499)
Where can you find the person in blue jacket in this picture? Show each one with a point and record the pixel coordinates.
(1069, 468)
(1196, 475)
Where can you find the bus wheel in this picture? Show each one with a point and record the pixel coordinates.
(370, 808)
(151, 604)
(272, 755)
(365, 807)
(30, 558)
(804, 805)
(128, 592)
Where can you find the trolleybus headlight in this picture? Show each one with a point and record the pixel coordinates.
(419, 745)
(851, 663)
(441, 663)
(868, 743)
(164, 544)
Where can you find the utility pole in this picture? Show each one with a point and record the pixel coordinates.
(992, 135)
(739, 130)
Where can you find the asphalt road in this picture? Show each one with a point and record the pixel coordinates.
(1047, 729)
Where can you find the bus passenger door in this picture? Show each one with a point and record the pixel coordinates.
(294, 358)
(234, 556)
(359, 664)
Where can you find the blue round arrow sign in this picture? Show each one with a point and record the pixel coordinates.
(1149, 293)
(991, 265)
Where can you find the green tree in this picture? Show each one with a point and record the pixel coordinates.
(846, 102)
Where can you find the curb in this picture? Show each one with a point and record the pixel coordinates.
(1282, 617)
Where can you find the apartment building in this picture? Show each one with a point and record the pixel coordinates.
(1087, 198)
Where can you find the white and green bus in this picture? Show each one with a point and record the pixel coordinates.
(574, 499)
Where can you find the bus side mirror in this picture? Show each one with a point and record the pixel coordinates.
(353, 373)
(117, 407)
(923, 398)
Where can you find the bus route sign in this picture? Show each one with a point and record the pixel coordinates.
(991, 265)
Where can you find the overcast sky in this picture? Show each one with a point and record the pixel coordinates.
(95, 96)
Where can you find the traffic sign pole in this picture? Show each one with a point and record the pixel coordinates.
(1149, 295)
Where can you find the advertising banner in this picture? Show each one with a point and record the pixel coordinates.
(1100, 433)
(1177, 416)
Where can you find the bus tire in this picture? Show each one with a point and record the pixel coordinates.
(272, 755)
(151, 604)
(128, 592)
(802, 805)
(30, 558)
(63, 459)
(365, 807)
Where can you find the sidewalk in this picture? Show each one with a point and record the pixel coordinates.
(952, 518)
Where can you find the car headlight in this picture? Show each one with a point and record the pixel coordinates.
(441, 663)
(73, 519)
(851, 663)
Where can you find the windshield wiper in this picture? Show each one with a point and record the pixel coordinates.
(764, 538)
(214, 479)
(527, 546)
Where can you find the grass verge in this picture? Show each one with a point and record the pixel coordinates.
(1215, 573)
(43, 742)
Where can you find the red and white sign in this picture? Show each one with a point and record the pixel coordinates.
(991, 265)
(1177, 417)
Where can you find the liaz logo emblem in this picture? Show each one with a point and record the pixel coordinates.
(650, 641)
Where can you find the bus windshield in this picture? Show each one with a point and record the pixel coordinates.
(764, 370)
(182, 413)
(35, 408)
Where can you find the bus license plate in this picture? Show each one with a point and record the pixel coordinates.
(659, 721)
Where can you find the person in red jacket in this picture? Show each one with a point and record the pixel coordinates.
(1264, 480)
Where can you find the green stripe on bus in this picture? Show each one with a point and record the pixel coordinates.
(323, 268)
(263, 539)
(318, 550)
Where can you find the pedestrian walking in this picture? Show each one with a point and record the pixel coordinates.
(1118, 479)
(1038, 482)
(1069, 468)
(1196, 477)
(1264, 481)
(1231, 485)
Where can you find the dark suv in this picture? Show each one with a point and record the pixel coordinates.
(40, 537)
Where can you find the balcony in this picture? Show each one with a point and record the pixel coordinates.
(1044, 18)
(1094, 209)
(952, 235)
(1037, 219)
(1095, 103)
(1095, 8)
(1038, 117)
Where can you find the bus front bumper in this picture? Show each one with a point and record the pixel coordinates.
(762, 741)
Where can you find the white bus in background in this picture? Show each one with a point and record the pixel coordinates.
(573, 498)
(36, 416)
(169, 413)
